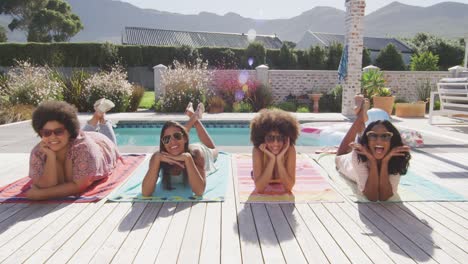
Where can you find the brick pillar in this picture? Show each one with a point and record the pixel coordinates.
(158, 89)
(354, 29)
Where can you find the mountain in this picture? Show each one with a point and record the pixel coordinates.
(104, 20)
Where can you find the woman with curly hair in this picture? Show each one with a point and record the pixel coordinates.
(67, 160)
(377, 160)
(273, 134)
(181, 162)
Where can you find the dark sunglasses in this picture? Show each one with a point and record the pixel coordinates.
(48, 132)
(272, 138)
(177, 136)
(372, 136)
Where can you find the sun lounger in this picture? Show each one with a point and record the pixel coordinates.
(453, 94)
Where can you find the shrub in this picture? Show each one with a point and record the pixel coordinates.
(242, 107)
(262, 97)
(31, 85)
(302, 109)
(254, 53)
(74, 90)
(372, 82)
(287, 57)
(232, 89)
(425, 61)
(137, 94)
(331, 102)
(112, 85)
(216, 103)
(390, 59)
(15, 113)
(334, 55)
(316, 58)
(185, 83)
(287, 106)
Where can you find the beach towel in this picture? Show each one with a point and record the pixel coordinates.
(15, 192)
(412, 188)
(311, 184)
(216, 184)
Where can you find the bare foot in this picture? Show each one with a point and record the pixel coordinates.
(364, 108)
(189, 110)
(358, 103)
(200, 110)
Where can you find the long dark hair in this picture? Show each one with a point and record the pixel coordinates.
(396, 164)
(165, 167)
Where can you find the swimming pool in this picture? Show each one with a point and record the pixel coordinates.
(223, 134)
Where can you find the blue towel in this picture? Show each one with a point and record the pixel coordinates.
(343, 68)
(216, 185)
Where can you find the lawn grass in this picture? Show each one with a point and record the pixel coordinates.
(147, 101)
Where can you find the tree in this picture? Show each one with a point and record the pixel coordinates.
(366, 58)
(3, 36)
(316, 58)
(287, 58)
(43, 20)
(334, 56)
(255, 54)
(450, 52)
(425, 61)
(390, 59)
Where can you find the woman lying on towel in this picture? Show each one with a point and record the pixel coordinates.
(273, 134)
(67, 160)
(179, 161)
(377, 160)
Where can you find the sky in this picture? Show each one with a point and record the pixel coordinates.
(264, 9)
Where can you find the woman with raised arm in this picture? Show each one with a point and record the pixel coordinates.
(181, 162)
(376, 161)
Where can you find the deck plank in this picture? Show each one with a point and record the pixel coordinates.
(119, 234)
(129, 248)
(10, 210)
(329, 246)
(291, 250)
(57, 241)
(346, 243)
(74, 243)
(448, 213)
(424, 239)
(152, 244)
(269, 244)
(454, 208)
(309, 246)
(368, 246)
(250, 244)
(370, 229)
(210, 251)
(170, 248)
(94, 242)
(230, 238)
(414, 224)
(45, 234)
(192, 240)
(450, 229)
(17, 223)
(403, 242)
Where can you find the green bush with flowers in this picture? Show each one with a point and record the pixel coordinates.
(185, 83)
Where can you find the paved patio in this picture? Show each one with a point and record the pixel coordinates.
(231, 232)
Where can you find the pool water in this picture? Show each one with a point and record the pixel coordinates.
(223, 134)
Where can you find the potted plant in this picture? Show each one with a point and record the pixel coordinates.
(373, 86)
(216, 104)
(417, 109)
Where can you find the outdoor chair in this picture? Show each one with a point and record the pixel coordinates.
(453, 94)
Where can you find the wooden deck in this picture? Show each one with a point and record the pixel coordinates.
(231, 232)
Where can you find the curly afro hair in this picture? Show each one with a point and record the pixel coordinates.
(61, 112)
(269, 120)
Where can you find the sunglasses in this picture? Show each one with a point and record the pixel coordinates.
(372, 136)
(272, 138)
(48, 132)
(177, 136)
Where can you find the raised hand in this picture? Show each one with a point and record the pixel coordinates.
(399, 151)
(362, 150)
(265, 150)
(44, 147)
(173, 160)
(285, 149)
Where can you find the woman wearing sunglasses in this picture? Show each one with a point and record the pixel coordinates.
(67, 160)
(273, 134)
(377, 160)
(181, 162)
